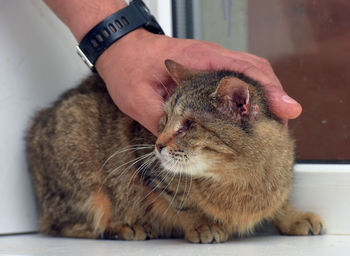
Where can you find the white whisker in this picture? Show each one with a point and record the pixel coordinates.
(143, 166)
(150, 192)
(131, 162)
(189, 188)
(166, 89)
(177, 188)
(127, 148)
(182, 202)
(162, 181)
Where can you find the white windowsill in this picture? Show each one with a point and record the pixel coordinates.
(323, 168)
(324, 189)
(37, 245)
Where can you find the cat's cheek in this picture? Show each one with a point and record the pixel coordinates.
(201, 166)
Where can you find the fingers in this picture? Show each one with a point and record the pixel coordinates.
(259, 62)
(280, 103)
(252, 66)
(204, 56)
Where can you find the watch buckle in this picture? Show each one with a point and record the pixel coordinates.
(84, 58)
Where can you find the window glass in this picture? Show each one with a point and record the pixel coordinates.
(308, 44)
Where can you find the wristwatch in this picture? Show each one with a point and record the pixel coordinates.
(114, 27)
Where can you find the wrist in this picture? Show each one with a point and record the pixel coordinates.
(81, 25)
(81, 16)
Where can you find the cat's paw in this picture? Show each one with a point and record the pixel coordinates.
(126, 232)
(306, 224)
(206, 233)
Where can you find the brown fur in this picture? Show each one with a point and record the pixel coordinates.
(222, 164)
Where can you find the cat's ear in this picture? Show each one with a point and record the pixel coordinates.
(232, 98)
(179, 72)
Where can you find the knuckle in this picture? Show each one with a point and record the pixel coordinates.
(266, 62)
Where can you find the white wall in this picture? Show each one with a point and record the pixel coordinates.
(37, 62)
(161, 9)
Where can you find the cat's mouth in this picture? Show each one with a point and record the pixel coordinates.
(168, 163)
(181, 163)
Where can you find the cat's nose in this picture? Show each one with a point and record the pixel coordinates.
(159, 147)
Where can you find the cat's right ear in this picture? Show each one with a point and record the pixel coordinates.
(179, 72)
(232, 98)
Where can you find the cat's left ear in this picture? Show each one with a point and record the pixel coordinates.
(179, 72)
(232, 98)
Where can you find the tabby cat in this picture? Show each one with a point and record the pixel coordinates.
(221, 165)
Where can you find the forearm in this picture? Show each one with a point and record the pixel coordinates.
(80, 16)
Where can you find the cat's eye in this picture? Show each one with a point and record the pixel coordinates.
(188, 124)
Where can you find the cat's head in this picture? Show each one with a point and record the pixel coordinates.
(207, 120)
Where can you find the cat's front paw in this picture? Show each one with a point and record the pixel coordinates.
(207, 233)
(306, 224)
(126, 232)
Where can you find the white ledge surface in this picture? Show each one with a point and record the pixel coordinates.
(37, 245)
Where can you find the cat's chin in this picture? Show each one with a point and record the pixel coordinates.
(169, 164)
(191, 168)
(173, 167)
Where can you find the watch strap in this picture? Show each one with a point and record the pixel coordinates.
(114, 27)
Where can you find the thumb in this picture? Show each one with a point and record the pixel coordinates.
(281, 104)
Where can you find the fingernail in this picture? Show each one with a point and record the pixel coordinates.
(288, 100)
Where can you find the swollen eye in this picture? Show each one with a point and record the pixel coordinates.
(188, 124)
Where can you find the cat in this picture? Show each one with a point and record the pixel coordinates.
(221, 165)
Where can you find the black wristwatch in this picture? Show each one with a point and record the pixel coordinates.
(114, 27)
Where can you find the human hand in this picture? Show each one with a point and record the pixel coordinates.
(134, 72)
